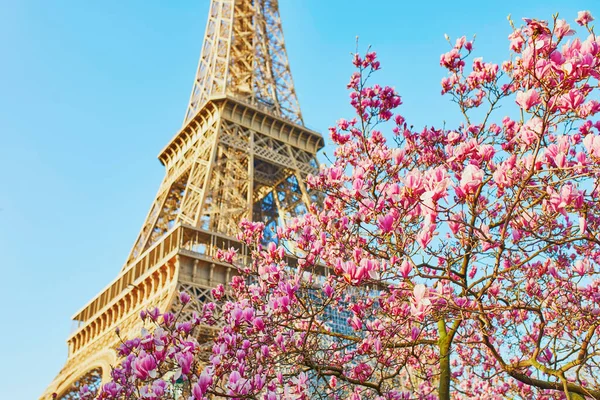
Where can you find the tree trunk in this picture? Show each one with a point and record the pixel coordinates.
(444, 346)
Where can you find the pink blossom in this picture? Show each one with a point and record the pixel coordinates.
(218, 292)
(425, 236)
(228, 256)
(494, 290)
(153, 313)
(328, 290)
(452, 60)
(414, 333)
(184, 298)
(471, 178)
(413, 181)
(421, 301)
(562, 29)
(386, 223)
(185, 360)
(145, 367)
(398, 155)
(582, 266)
(335, 173)
(355, 323)
(584, 18)
(234, 378)
(583, 226)
(516, 41)
(571, 101)
(352, 273)
(112, 389)
(592, 145)
(455, 224)
(531, 131)
(528, 99)
(405, 269)
(201, 387)
(258, 324)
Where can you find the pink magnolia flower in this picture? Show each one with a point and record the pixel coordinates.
(154, 313)
(420, 301)
(582, 266)
(528, 99)
(448, 83)
(85, 393)
(112, 389)
(592, 145)
(398, 155)
(405, 268)
(583, 226)
(386, 222)
(355, 323)
(185, 360)
(471, 178)
(452, 60)
(227, 256)
(460, 42)
(362, 372)
(516, 41)
(352, 273)
(425, 235)
(494, 289)
(555, 156)
(584, 18)
(328, 290)
(335, 174)
(414, 333)
(570, 101)
(562, 29)
(529, 133)
(184, 298)
(145, 367)
(218, 292)
(259, 324)
(413, 181)
(234, 379)
(437, 181)
(204, 381)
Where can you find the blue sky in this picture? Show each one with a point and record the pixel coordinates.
(91, 91)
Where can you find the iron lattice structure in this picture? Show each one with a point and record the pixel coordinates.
(244, 56)
(243, 152)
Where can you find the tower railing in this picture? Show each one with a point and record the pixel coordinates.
(180, 240)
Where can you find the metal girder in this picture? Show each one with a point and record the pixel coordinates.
(244, 56)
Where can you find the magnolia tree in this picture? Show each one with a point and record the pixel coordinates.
(441, 263)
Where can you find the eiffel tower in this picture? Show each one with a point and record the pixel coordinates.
(243, 152)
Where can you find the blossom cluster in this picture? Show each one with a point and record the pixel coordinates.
(458, 262)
